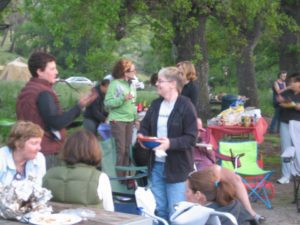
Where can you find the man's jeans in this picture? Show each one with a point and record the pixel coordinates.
(286, 141)
(275, 123)
(166, 194)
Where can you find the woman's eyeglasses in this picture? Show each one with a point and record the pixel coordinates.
(162, 81)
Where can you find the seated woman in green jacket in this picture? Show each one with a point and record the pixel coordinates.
(78, 181)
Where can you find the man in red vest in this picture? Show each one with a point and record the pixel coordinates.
(38, 103)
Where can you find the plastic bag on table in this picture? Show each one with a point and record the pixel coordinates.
(104, 131)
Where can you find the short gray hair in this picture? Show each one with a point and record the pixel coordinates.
(173, 73)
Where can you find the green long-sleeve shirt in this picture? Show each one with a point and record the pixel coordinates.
(118, 108)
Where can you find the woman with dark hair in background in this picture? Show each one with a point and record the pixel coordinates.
(78, 181)
(153, 79)
(191, 88)
(278, 87)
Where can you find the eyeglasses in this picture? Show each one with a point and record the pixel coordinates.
(163, 81)
(131, 71)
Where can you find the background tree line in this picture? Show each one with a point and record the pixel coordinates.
(234, 43)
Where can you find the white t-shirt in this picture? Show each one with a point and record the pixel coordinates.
(105, 193)
(162, 122)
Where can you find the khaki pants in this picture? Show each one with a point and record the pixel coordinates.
(122, 133)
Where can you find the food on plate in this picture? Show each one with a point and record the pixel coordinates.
(54, 219)
(288, 104)
(148, 138)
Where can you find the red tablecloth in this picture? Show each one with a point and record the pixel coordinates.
(258, 131)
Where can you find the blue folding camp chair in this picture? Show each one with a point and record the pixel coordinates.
(248, 167)
(123, 194)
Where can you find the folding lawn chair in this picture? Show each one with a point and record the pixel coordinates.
(248, 167)
(123, 193)
(4, 122)
(205, 155)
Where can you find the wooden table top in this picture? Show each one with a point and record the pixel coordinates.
(102, 217)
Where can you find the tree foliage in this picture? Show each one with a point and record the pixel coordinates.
(217, 35)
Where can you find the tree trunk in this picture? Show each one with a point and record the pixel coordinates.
(246, 76)
(4, 37)
(186, 49)
(289, 55)
(245, 63)
(203, 68)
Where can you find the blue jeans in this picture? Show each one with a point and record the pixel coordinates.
(165, 194)
(274, 126)
(285, 141)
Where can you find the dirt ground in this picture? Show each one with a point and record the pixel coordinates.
(283, 212)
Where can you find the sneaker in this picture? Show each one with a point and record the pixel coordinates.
(259, 219)
(283, 180)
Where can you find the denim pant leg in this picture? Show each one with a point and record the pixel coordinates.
(274, 126)
(158, 188)
(176, 193)
(285, 141)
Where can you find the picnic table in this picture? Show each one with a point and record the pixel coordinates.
(102, 217)
(217, 132)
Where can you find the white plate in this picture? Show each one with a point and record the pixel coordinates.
(54, 219)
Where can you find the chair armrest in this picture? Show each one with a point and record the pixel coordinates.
(135, 177)
(132, 168)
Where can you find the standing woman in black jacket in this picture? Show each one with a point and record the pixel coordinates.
(191, 87)
(171, 118)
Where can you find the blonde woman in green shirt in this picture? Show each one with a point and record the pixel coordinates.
(120, 102)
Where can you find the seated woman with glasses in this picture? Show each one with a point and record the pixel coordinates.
(208, 189)
(78, 181)
(21, 158)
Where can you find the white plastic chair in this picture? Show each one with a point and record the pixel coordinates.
(188, 213)
(146, 203)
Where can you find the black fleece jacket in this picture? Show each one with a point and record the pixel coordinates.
(182, 132)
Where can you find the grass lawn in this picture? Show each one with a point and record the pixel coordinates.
(6, 57)
(270, 150)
